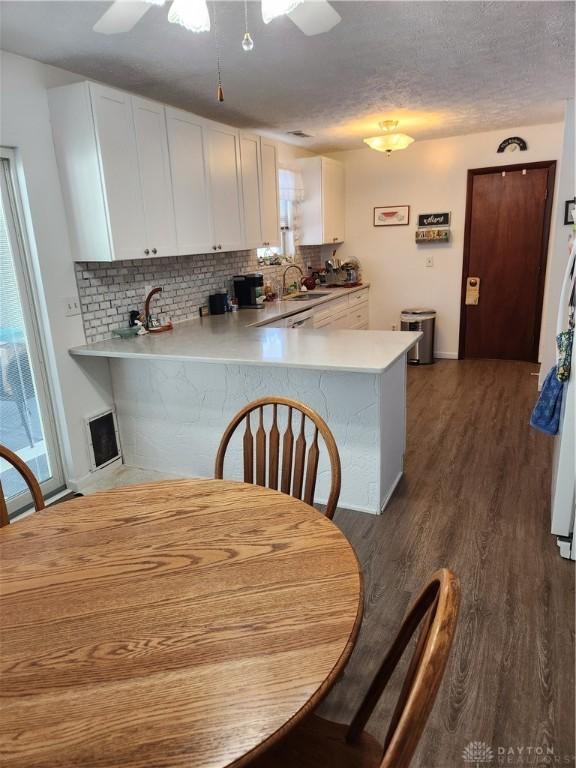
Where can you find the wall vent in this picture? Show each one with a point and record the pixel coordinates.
(300, 134)
(103, 439)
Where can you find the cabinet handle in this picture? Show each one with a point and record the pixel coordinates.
(214, 247)
(334, 239)
(147, 251)
(154, 250)
(219, 247)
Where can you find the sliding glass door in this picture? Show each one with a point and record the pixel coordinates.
(26, 421)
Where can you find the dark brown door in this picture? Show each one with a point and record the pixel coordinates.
(506, 241)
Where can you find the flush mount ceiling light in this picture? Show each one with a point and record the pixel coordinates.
(273, 8)
(389, 142)
(191, 14)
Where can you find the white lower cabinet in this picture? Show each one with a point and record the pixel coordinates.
(350, 311)
(345, 312)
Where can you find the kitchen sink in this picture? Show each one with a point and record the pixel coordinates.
(306, 296)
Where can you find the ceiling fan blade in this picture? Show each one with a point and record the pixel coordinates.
(314, 17)
(121, 17)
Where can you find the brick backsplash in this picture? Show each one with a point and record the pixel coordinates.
(109, 290)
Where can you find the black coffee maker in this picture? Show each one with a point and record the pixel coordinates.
(249, 289)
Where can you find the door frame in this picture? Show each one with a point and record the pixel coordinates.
(550, 165)
(30, 298)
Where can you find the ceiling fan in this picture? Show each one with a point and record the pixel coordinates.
(313, 17)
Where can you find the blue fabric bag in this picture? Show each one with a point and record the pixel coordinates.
(546, 414)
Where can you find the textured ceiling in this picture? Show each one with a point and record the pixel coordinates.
(442, 68)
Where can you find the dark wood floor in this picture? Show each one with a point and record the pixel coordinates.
(474, 498)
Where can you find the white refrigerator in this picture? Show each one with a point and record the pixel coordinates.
(564, 464)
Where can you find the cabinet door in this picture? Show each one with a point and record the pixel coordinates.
(225, 189)
(152, 146)
(189, 182)
(118, 159)
(250, 164)
(333, 201)
(269, 203)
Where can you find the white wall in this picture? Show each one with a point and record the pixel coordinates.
(429, 176)
(78, 391)
(559, 250)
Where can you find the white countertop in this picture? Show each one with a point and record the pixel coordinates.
(235, 338)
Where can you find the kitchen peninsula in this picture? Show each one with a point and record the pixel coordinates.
(175, 392)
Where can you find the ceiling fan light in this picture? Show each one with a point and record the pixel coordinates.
(191, 14)
(273, 8)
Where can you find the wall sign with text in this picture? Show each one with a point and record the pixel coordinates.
(434, 220)
(511, 144)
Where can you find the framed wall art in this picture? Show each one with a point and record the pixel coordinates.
(392, 216)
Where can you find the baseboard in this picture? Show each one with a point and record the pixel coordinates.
(390, 492)
(342, 505)
(77, 484)
(446, 355)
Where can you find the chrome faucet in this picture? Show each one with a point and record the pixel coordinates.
(290, 266)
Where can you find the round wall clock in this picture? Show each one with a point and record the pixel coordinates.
(512, 144)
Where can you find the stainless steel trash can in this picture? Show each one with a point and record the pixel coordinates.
(424, 320)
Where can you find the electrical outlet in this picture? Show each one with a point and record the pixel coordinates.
(429, 260)
(71, 306)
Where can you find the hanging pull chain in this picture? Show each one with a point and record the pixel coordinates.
(219, 90)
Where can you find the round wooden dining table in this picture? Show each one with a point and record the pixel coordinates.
(182, 623)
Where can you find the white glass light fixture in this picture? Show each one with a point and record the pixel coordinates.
(273, 8)
(191, 14)
(389, 142)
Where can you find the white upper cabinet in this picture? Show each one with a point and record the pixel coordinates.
(141, 179)
(260, 191)
(118, 155)
(322, 210)
(191, 192)
(223, 156)
(112, 156)
(333, 201)
(269, 203)
(250, 163)
(155, 180)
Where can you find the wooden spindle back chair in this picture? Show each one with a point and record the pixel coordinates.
(33, 486)
(316, 741)
(435, 611)
(296, 474)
